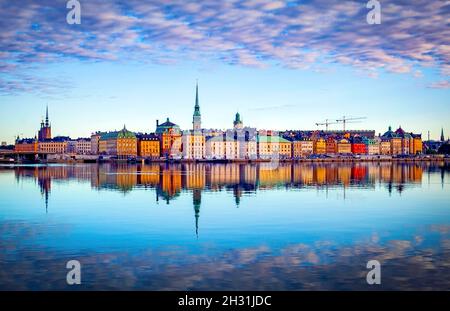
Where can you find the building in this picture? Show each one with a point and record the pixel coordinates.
(148, 146)
(320, 146)
(302, 148)
(248, 146)
(385, 146)
(222, 147)
(169, 135)
(417, 144)
(344, 146)
(26, 145)
(121, 143)
(331, 145)
(95, 142)
(193, 141)
(403, 142)
(372, 145)
(57, 145)
(238, 124)
(358, 146)
(269, 147)
(45, 132)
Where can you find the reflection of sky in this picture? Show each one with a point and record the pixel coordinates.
(104, 220)
(291, 238)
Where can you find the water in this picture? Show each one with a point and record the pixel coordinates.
(225, 226)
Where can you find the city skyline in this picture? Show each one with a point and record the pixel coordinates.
(282, 65)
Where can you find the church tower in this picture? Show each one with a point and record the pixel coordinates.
(196, 118)
(45, 132)
(237, 123)
(442, 135)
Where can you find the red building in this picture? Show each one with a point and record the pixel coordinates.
(359, 148)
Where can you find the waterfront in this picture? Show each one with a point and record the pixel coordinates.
(225, 226)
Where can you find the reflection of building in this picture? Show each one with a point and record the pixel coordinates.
(121, 143)
(170, 138)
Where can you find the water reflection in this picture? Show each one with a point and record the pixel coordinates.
(277, 245)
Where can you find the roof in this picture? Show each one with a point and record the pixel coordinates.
(272, 139)
(124, 133)
(161, 128)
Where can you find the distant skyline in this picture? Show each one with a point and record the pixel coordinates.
(282, 65)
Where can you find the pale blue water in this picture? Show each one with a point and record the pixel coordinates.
(225, 226)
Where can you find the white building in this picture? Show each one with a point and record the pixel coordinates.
(222, 147)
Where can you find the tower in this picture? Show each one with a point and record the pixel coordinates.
(237, 122)
(45, 131)
(196, 118)
(442, 135)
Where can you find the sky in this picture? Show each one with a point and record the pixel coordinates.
(280, 64)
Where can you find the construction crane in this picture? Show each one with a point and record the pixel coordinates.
(346, 120)
(326, 123)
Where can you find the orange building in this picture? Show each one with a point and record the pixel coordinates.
(27, 145)
(320, 146)
(170, 138)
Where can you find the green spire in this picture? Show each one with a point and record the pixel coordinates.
(197, 106)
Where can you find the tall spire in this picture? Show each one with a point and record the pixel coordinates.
(47, 123)
(197, 105)
(196, 117)
(442, 134)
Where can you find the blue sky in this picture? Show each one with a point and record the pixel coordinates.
(282, 65)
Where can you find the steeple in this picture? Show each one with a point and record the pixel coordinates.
(47, 123)
(442, 134)
(237, 121)
(196, 118)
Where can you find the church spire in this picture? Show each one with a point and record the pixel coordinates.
(442, 134)
(47, 122)
(196, 117)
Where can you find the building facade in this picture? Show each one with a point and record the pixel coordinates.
(169, 135)
(273, 146)
(148, 146)
(121, 143)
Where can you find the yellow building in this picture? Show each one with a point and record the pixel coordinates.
(57, 145)
(396, 145)
(270, 146)
(148, 146)
(385, 147)
(222, 147)
(320, 146)
(417, 144)
(122, 143)
(344, 146)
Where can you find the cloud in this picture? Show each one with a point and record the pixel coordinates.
(256, 33)
(443, 84)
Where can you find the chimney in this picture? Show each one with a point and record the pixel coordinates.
(157, 122)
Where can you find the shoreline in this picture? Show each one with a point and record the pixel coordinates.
(254, 161)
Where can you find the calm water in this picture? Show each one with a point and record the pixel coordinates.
(225, 226)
